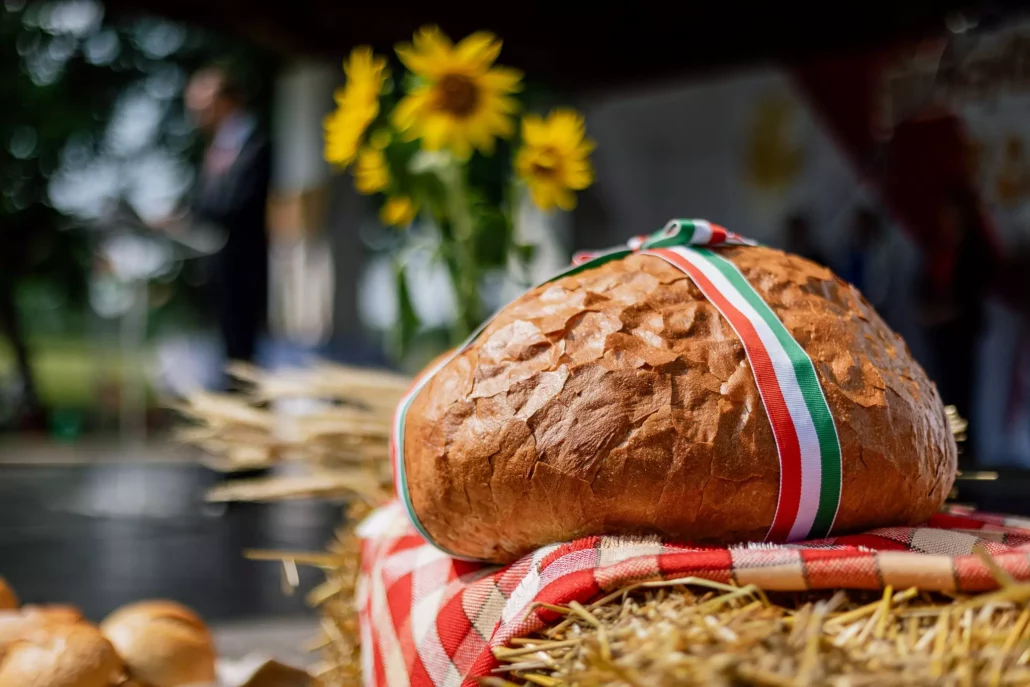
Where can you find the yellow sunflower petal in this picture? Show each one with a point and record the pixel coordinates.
(411, 108)
(505, 104)
(565, 199)
(534, 133)
(579, 176)
(358, 62)
(460, 144)
(501, 125)
(371, 173)
(481, 135)
(436, 131)
(503, 80)
(428, 53)
(567, 127)
(399, 211)
(542, 196)
(366, 74)
(479, 50)
(414, 60)
(430, 39)
(342, 137)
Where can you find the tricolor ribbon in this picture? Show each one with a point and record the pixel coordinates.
(806, 436)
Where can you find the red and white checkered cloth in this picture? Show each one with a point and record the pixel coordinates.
(428, 619)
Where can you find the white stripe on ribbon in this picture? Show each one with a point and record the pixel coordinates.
(702, 232)
(811, 460)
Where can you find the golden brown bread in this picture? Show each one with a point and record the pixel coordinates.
(163, 644)
(8, 599)
(619, 401)
(19, 624)
(60, 655)
(53, 613)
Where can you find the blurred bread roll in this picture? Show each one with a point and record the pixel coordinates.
(163, 644)
(8, 599)
(52, 613)
(19, 624)
(60, 655)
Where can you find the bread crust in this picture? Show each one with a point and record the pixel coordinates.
(60, 654)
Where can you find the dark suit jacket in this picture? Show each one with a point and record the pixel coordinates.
(236, 200)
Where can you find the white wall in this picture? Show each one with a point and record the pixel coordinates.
(303, 96)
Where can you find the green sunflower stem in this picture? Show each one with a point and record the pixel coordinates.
(459, 253)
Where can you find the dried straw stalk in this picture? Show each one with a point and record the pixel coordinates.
(680, 632)
(338, 438)
(693, 632)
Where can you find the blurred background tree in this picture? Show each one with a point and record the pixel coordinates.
(91, 117)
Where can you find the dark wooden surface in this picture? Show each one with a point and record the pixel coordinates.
(102, 535)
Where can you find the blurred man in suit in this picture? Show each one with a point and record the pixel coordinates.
(231, 194)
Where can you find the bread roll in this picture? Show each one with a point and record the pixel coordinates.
(619, 401)
(19, 624)
(60, 655)
(163, 644)
(8, 599)
(53, 613)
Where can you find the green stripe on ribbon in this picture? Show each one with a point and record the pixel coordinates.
(596, 261)
(811, 390)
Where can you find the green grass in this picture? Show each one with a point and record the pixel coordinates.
(74, 374)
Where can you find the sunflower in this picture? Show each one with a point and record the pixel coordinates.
(462, 101)
(398, 211)
(357, 105)
(371, 173)
(554, 158)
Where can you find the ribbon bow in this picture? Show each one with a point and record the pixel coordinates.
(678, 232)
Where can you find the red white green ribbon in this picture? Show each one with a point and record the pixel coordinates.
(805, 433)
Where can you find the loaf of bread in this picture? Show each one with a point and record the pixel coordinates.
(619, 401)
(163, 644)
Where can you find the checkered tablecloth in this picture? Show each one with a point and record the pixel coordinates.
(428, 619)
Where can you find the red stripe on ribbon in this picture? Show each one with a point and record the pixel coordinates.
(580, 258)
(718, 234)
(775, 405)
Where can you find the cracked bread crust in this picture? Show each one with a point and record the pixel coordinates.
(619, 401)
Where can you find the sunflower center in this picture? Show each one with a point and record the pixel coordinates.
(459, 95)
(546, 163)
